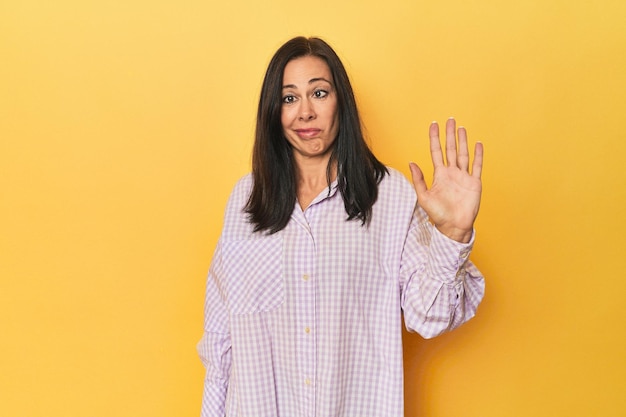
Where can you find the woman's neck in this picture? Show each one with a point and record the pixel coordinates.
(312, 179)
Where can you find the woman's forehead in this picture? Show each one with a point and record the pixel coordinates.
(306, 69)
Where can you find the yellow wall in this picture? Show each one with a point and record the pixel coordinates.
(124, 124)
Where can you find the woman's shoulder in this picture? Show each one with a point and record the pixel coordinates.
(395, 193)
(395, 181)
(243, 185)
(239, 194)
(236, 222)
(394, 206)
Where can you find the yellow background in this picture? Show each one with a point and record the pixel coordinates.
(124, 125)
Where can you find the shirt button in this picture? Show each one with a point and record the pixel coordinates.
(307, 330)
(305, 277)
(307, 381)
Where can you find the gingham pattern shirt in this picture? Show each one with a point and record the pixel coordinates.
(307, 322)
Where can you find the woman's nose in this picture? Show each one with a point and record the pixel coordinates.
(306, 110)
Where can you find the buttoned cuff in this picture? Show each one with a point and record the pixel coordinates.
(448, 257)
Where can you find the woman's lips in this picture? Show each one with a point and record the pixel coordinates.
(307, 133)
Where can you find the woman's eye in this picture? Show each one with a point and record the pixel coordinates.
(320, 93)
(289, 99)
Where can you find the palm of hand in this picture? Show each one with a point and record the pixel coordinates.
(453, 200)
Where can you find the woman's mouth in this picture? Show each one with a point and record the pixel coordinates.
(307, 133)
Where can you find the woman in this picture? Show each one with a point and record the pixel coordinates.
(322, 249)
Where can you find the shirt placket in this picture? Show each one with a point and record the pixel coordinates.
(305, 313)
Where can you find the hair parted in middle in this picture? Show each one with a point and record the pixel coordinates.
(273, 195)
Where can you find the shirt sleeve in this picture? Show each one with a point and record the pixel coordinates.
(214, 348)
(440, 287)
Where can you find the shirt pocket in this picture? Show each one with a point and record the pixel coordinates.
(254, 275)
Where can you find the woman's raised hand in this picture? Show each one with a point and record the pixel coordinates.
(453, 199)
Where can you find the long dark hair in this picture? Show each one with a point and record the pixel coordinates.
(274, 190)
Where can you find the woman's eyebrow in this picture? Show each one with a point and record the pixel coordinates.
(311, 81)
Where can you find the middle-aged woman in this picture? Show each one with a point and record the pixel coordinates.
(323, 248)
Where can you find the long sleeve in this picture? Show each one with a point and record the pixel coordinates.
(215, 346)
(441, 288)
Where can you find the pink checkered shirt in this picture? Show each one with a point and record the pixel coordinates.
(307, 322)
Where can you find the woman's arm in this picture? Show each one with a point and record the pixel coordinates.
(441, 288)
(214, 348)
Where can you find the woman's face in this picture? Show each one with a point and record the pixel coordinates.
(309, 108)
